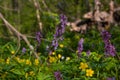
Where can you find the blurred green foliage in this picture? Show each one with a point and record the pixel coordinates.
(24, 20)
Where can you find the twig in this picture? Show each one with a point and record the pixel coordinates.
(36, 4)
(5, 8)
(45, 6)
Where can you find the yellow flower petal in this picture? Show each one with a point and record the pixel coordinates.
(52, 59)
(53, 53)
(61, 45)
(12, 52)
(67, 58)
(31, 73)
(28, 62)
(8, 60)
(89, 72)
(59, 56)
(83, 66)
(36, 61)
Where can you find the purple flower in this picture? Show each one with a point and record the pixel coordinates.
(23, 50)
(80, 46)
(105, 35)
(109, 48)
(59, 31)
(88, 52)
(55, 44)
(58, 75)
(38, 37)
(53, 47)
(61, 27)
(113, 78)
(63, 20)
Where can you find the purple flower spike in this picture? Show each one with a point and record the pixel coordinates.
(38, 37)
(105, 35)
(23, 50)
(63, 19)
(80, 46)
(58, 75)
(109, 48)
(61, 27)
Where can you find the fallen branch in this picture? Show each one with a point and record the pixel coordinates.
(19, 35)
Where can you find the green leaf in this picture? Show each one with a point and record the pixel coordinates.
(42, 76)
(18, 72)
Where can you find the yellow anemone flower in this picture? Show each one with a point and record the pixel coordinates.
(31, 73)
(28, 62)
(59, 56)
(53, 53)
(17, 58)
(67, 58)
(8, 60)
(52, 59)
(83, 66)
(13, 52)
(61, 45)
(89, 72)
(22, 60)
(36, 61)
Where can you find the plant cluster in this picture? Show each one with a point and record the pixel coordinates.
(63, 58)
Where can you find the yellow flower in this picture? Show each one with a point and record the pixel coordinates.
(53, 53)
(52, 59)
(17, 58)
(36, 61)
(59, 56)
(28, 62)
(31, 73)
(67, 58)
(22, 60)
(89, 72)
(61, 45)
(13, 52)
(8, 60)
(83, 66)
